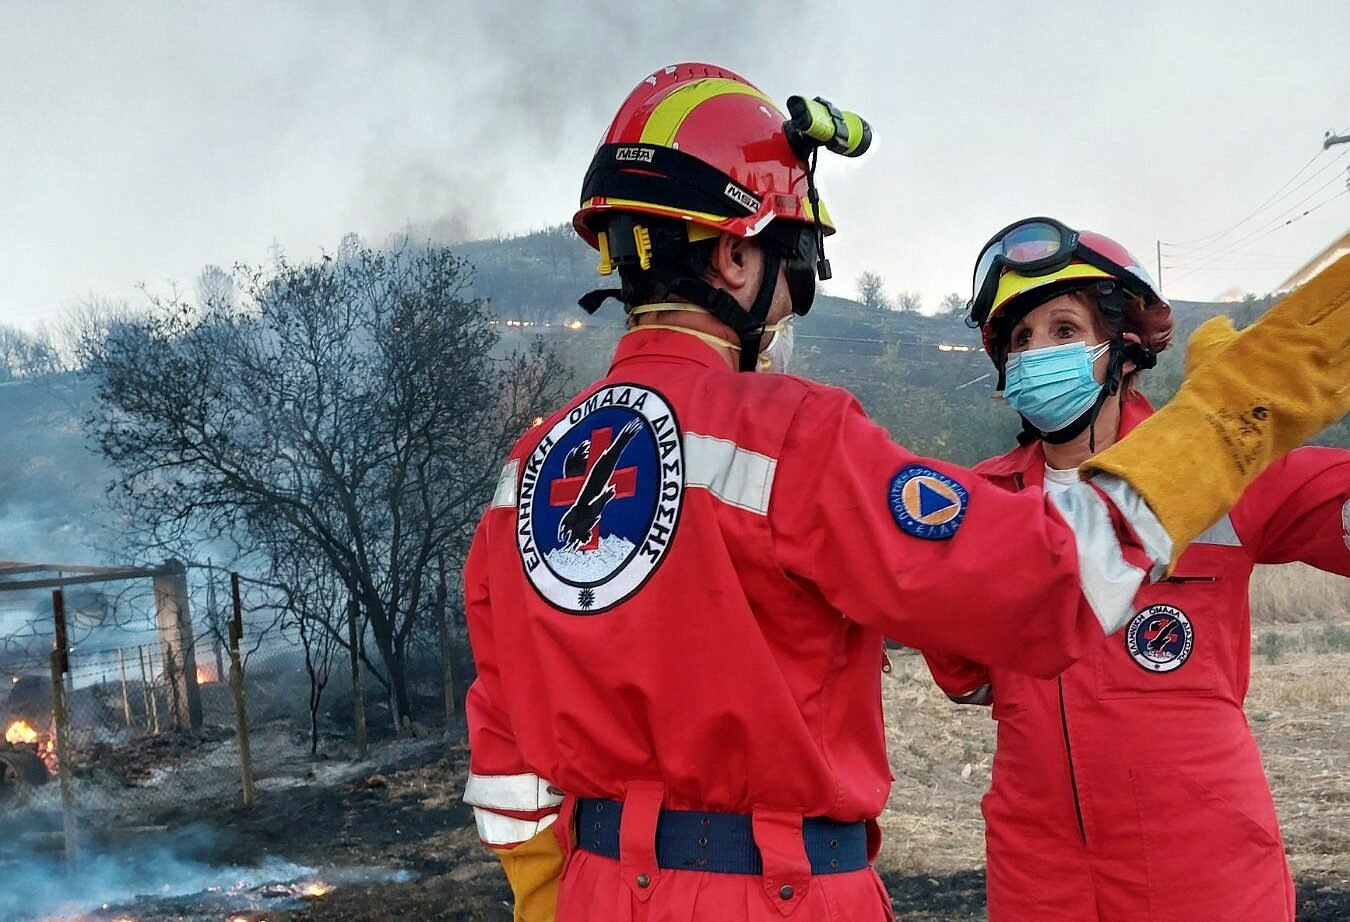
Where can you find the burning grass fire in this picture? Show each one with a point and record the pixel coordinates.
(20, 732)
(261, 900)
(21, 735)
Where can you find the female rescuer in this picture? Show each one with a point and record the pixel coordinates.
(1130, 786)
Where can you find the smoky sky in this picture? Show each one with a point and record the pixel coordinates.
(140, 142)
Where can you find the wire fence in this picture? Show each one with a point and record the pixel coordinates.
(127, 732)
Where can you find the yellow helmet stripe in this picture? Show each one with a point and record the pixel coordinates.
(635, 205)
(699, 216)
(1014, 284)
(670, 113)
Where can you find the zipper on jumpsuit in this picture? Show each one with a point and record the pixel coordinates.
(1068, 754)
(1063, 720)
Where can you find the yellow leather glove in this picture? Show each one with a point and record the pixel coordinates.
(1209, 339)
(534, 868)
(1276, 384)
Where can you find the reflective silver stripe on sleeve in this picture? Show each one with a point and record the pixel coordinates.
(1221, 533)
(495, 829)
(1109, 582)
(1157, 542)
(505, 496)
(521, 792)
(734, 475)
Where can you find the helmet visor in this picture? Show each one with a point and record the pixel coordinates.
(1043, 246)
(1035, 246)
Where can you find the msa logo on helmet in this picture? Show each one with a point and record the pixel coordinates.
(741, 197)
(634, 154)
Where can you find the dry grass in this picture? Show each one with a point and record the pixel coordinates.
(1300, 711)
(1296, 592)
(941, 756)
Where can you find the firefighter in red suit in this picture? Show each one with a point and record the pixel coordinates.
(1130, 786)
(677, 594)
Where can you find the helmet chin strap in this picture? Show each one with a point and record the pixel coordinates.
(748, 324)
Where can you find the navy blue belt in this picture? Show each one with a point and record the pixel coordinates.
(720, 842)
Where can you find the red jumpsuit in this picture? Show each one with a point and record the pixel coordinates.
(676, 600)
(1130, 787)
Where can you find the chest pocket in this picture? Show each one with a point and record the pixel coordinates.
(1180, 640)
(1191, 633)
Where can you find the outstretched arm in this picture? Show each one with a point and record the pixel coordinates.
(1300, 510)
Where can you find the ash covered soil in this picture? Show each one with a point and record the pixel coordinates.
(407, 815)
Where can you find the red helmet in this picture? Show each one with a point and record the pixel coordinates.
(699, 143)
(1033, 260)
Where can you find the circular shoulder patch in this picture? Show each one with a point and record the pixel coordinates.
(1160, 638)
(600, 498)
(927, 503)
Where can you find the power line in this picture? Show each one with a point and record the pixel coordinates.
(1266, 229)
(1259, 208)
(1205, 251)
(1273, 228)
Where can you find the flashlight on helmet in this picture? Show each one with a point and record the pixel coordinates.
(817, 123)
(820, 123)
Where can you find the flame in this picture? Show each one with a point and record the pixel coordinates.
(316, 891)
(203, 677)
(47, 752)
(20, 732)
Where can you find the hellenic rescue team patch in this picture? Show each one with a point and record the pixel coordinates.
(927, 504)
(1160, 638)
(600, 498)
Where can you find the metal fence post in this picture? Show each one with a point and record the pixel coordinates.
(126, 699)
(237, 686)
(151, 700)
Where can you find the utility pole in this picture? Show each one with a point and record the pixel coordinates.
(1332, 139)
(1159, 266)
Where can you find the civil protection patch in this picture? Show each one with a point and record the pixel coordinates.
(600, 497)
(1160, 638)
(927, 503)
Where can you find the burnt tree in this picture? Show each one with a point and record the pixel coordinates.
(353, 406)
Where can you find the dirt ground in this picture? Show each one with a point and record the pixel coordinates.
(409, 816)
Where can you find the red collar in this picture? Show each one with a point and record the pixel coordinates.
(639, 343)
(1029, 459)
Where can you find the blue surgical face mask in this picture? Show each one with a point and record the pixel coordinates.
(1052, 387)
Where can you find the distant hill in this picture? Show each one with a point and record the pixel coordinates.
(919, 375)
(923, 377)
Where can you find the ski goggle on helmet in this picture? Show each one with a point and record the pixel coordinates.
(1035, 252)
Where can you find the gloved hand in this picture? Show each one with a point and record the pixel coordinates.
(1276, 384)
(1209, 339)
(534, 868)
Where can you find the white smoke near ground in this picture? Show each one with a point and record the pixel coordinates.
(37, 883)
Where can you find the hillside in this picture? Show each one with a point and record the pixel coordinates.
(923, 377)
